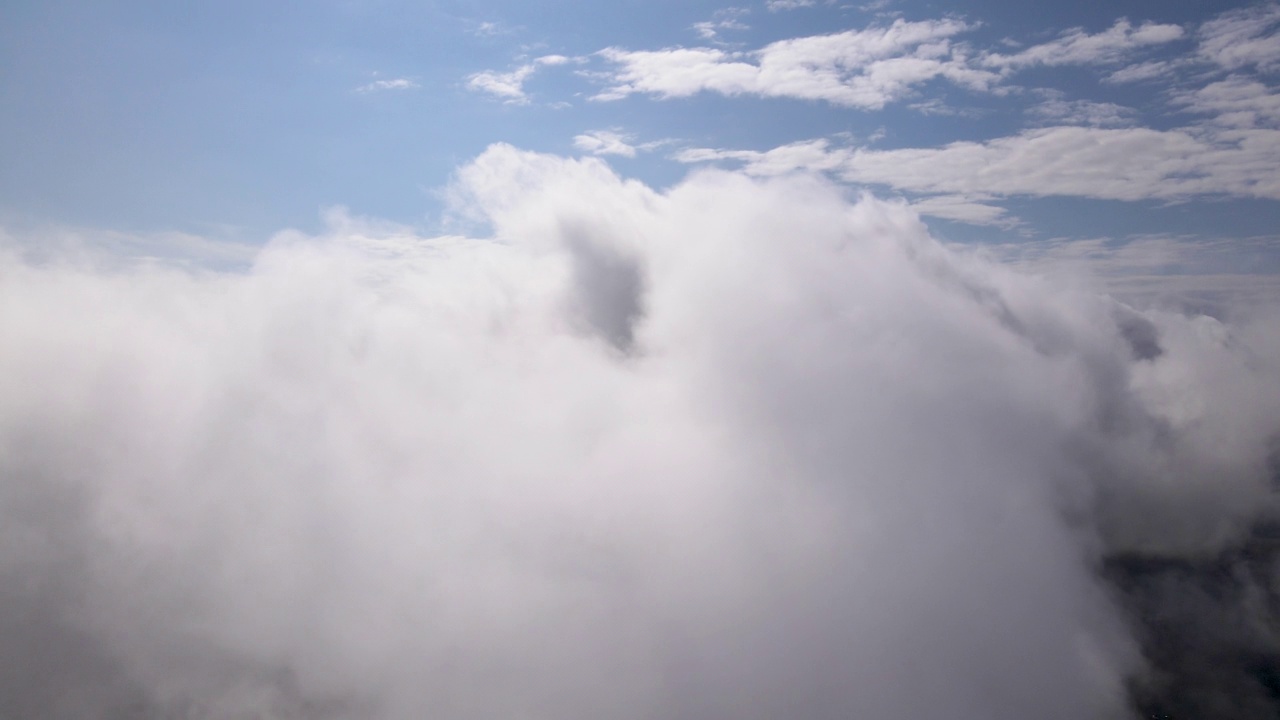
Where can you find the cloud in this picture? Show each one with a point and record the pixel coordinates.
(1102, 163)
(1149, 70)
(391, 84)
(744, 447)
(864, 69)
(1057, 111)
(509, 86)
(605, 142)
(1234, 102)
(1243, 37)
(1211, 275)
(1077, 47)
(779, 5)
(725, 19)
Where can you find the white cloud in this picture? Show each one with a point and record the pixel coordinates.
(974, 210)
(1236, 101)
(605, 142)
(746, 431)
(391, 84)
(1057, 111)
(1113, 164)
(864, 69)
(509, 86)
(1244, 37)
(1162, 270)
(1077, 47)
(1149, 70)
(724, 19)
(779, 5)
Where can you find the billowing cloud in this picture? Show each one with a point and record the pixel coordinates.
(741, 448)
(858, 68)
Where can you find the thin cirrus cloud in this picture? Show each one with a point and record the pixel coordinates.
(385, 85)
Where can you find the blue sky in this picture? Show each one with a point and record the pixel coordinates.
(235, 120)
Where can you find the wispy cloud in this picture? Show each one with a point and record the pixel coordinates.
(864, 69)
(1089, 162)
(726, 19)
(390, 84)
(1077, 47)
(779, 5)
(509, 86)
(612, 142)
(1059, 111)
(1242, 38)
(1236, 102)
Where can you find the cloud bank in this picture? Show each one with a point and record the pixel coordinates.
(742, 448)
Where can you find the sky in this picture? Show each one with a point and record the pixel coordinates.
(652, 361)
(1001, 122)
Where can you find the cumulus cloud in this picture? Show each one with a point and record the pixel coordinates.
(740, 448)
(858, 68)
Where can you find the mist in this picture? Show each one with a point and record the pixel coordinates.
(741, 448)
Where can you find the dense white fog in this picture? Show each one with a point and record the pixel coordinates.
(742, 449)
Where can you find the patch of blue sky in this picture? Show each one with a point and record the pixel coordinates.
(243, 118)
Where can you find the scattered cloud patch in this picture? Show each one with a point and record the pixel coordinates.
(605, 142)
(726, 19)
(780, 5)
(1243, 38)
(1143, 71)
(1077, 47)
(509, 86)
(1235, 102)
(864, 69)
(1059, 111)
(384, 85)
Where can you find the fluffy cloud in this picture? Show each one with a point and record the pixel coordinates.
(742, 448)
(864, 68)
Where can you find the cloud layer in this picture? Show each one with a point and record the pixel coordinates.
(743, 448)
